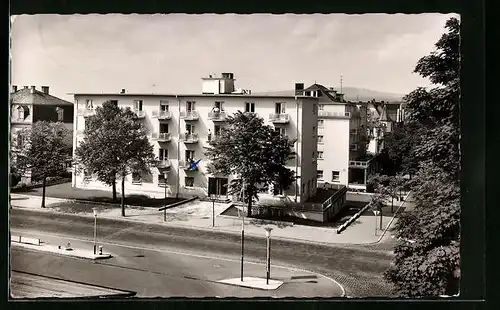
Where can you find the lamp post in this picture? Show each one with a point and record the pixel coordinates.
(95, 229)
(165, 175)
(213, 209)
(242, 229)
(268, 235)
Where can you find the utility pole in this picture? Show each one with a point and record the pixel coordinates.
(242, 229)
(341, 79)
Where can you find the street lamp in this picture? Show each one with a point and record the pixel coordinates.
(95, 229)
(242, 228)
(213, 209)
(165, 176)
(268, 235)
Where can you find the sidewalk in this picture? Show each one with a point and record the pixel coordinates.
(198, 215)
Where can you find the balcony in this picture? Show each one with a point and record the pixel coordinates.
(217, 116)
(162, 115)
(164, 163)
(186, 165)
(161, 137)
(86, 112)
(140, 114)
(327, 114)
(359, 164)
(212, 138)
(189, 138)
(279, 118)
(190, 116)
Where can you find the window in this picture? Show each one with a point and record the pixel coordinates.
(219, 105)
(217, 130)
(189, 182)
(137, 105)
(161, 180)
(20, 140)
(163, 106)
(189, 129)
(281, 131)
(136, 178)
(190, 106)
(163, 154)
(23, 113)
(314, 131)
(320, 139)
(60, 114)
(89, 104)
(321, 123)
(321, 107)
(354, 147)
(335, 176)
(189, 154)
(320, 154)
(280, 108)
(114, 102)
(320, 174)
(250, 107)
(163, 127)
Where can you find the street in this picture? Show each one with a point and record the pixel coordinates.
(144, 261)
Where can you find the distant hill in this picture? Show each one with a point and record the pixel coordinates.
(351, 94)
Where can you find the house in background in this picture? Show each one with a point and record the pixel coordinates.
(29, 105)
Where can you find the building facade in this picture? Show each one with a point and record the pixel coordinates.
(181, 125)
(29, 105)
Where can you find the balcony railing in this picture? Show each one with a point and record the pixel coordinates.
(217, 116)
(212, 137)
(186, 165)
(164, 163)
(86, 112)
(162, 115)
(140, 114)
(279, 118)
(189, 138)
(162, 136)
(190, 116)
(327, 114)
(359, 164)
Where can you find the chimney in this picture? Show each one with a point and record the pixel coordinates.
(14, 88)
(25, 87)
(45, 89)
(299, 88)
(33, 88)
(123, 91)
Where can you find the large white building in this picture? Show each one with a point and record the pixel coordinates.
(180, 126)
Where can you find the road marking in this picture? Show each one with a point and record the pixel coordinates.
(189, 254)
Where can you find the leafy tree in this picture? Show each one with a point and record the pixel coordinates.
(115, 144)
(427, 261)
(44, 152)
(255, 153)
(15, 176)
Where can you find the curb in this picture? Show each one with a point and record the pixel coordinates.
(61, 252)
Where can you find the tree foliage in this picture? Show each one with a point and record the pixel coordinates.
(44, 152)
(427, 261)
(256, 153)
(115, 144)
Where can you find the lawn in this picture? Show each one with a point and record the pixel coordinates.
(65, 191)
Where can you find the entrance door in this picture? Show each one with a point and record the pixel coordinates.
(217, 186)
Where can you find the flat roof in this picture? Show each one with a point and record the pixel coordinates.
(190, 95)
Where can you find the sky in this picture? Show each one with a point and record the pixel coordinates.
(170, 53)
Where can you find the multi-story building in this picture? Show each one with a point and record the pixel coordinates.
(29, 105)
(341, 143)
(180, 126)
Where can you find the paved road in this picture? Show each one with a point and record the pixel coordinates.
(358, 269)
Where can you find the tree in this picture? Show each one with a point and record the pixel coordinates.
(255, 153)
(115, 144)
(44, 152)
(15, 176)
(427, 261)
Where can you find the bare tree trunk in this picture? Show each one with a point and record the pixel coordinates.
(249, 212)
(123, 195)
(114, 191)
(44, 183)
(381, 219)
